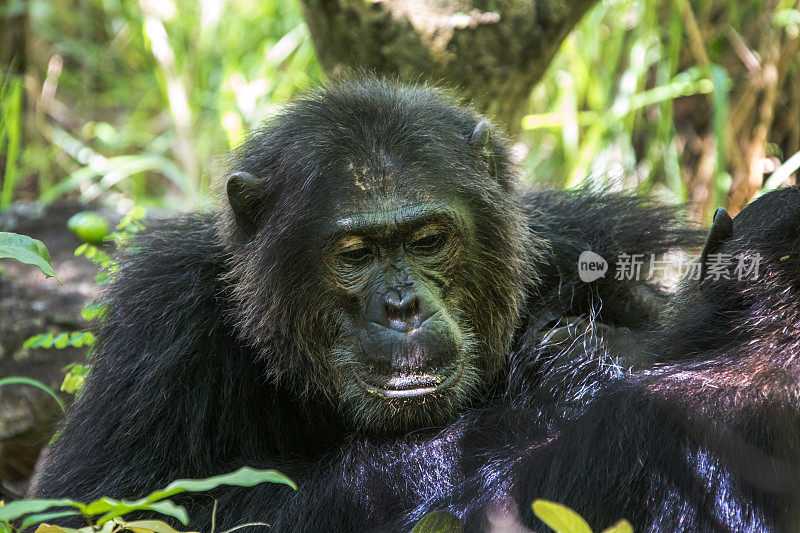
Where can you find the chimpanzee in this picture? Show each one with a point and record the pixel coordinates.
(378, 313)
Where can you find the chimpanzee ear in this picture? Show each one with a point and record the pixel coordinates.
(481, 139)
(243, 189)
(721, 231)
(481, 135)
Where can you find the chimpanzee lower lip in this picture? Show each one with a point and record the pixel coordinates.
(414, 386)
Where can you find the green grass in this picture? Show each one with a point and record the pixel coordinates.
(604, 111)
(149, 99)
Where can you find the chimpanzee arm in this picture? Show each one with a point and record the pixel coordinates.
(672, 450)
(576, 335)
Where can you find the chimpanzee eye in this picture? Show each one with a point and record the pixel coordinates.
(428, 244)
(355, 255)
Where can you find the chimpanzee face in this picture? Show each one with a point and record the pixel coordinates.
(387, 249)
(404, 346)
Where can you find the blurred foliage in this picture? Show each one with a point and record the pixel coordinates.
(143, 98)
(675, 96)
(88, 226)
(612, 86)
(10, 134)
(138, 101)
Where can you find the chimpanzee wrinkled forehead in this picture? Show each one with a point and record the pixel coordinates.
(386, 185)
(380, 149)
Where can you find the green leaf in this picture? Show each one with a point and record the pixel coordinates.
(47, 528)
(560, 518)
(148, 526)
(121, 507)
(89, 226)
(244, 477)
(132, 220)
(17, 509)
(79, 339)
(26, 250)
(19, 380)
(438, 522)
(77, 369)
(93, 310)
(44, 517)
(88, 338)
(90, 251)
(35, 341)
(61, 340)
(623, 526)
(74, 380)
(75, 339)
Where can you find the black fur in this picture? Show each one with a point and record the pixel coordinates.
(213, 353)
(706, 440)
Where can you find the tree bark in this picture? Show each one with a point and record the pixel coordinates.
(492, 51)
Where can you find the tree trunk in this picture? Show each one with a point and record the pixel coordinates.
(494, 52)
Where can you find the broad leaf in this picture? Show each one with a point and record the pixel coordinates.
(46, 517)
(560, 518)
(244, 477)
(147, 526)
(115, 508)
(26, 250)
(623, 526)
(18, 509)
(47, 528)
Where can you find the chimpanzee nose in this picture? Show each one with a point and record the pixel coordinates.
(402, 309)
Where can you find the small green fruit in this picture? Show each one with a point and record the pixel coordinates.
(88, 226)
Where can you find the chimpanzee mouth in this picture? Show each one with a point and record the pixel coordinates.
(406, 386)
